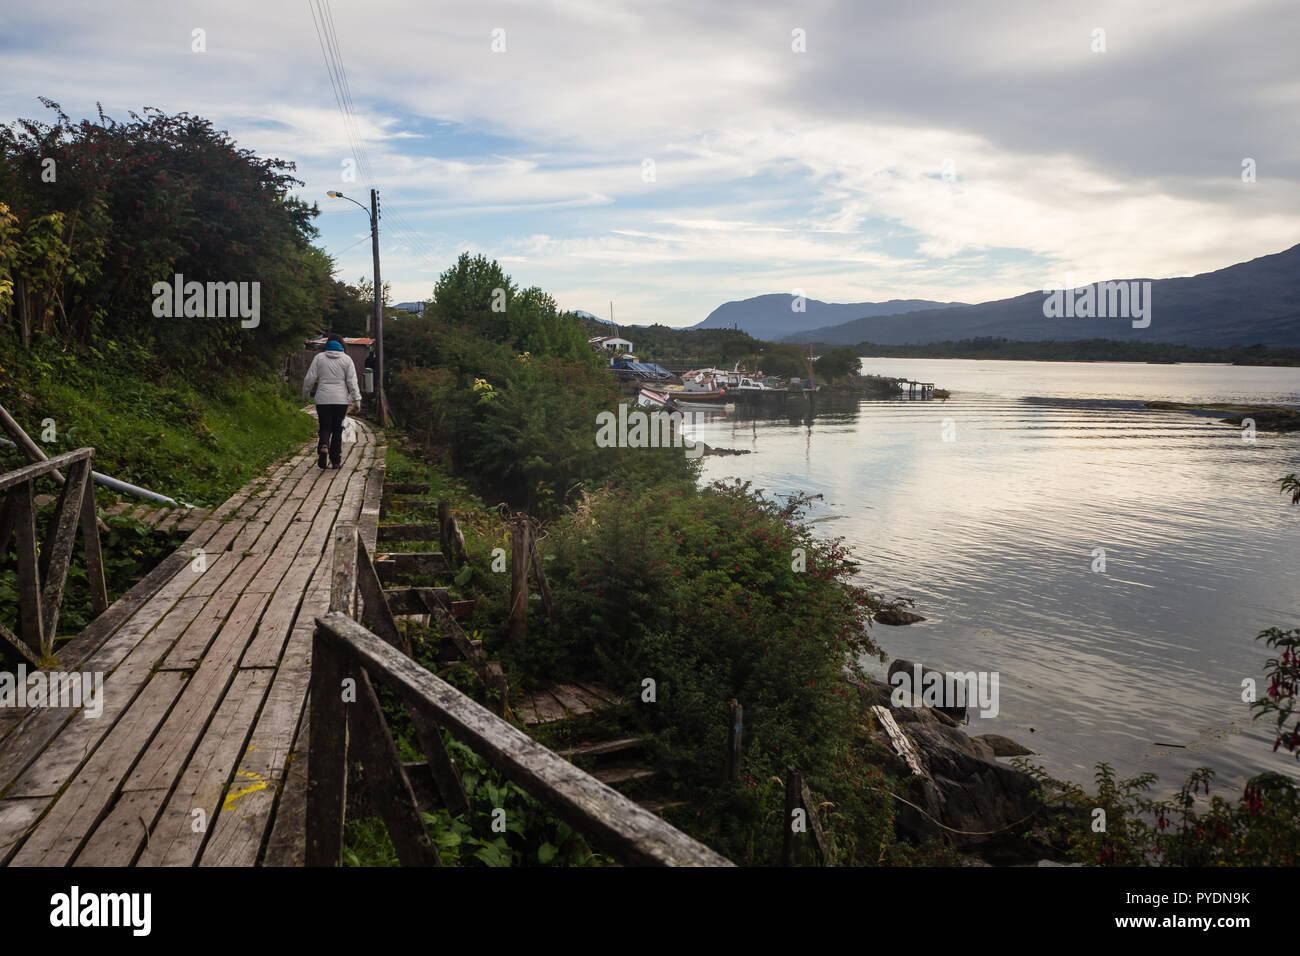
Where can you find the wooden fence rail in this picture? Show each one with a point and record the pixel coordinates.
(43, 566)
(346, 657)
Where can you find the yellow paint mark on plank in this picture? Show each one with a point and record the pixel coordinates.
(259, 784)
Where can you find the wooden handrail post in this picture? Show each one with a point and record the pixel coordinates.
(327, 756)
(518, 580)
(343, 582)
(734, 734)
(793, 799)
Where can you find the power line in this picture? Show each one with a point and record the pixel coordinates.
(331, 53)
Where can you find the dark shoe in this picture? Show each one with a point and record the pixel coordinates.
(320, 459)
(336, 464)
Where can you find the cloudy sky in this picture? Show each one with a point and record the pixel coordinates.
(670, 156)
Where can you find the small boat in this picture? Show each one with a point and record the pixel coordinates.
(941, 393)
(649, 398)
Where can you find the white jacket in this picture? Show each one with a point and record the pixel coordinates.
(334, 375)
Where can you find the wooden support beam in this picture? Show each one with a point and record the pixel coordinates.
(445, 773)
(327, 758)
(607, 818)
(375, 613)
(390, 565)
(824, 845)
(343, 579)
(382, 766)
(30, 614)
(734, 734)
(519, 533)
(90, 525)
(543, 586)
(416, 600)
(793, 798)
(57, 553)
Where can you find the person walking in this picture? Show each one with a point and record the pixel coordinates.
(334, 377)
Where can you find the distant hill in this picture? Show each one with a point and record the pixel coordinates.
(1255, 302)
(771, 317)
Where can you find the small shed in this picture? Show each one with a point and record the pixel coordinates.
(358, 349)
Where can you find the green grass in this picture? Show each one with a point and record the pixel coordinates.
(197, 442)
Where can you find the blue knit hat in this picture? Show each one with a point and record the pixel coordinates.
(333, 346)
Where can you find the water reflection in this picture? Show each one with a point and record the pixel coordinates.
(993, 534)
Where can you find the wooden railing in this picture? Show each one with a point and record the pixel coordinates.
(347, 722)
(43, 565)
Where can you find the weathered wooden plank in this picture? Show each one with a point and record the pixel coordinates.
(27, 473)
(373, 745)
(600, 693)
(824, 845)
(118, 508)
(171, 521)
(416, 600)
(902, 743)
(602, 748)
(547, 708)
(526, 712)
(371, 499)
(118, 837)
(175, 841)
(287, 844)
(571, 702)
(16, 818)
(614, 776)
(606, 817)
(190, 520)
(391, 564)
(238, 829)
(59, 835)
(343, 581)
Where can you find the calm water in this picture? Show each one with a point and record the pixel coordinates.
(993, 535)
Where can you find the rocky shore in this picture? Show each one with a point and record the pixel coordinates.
(960, 789)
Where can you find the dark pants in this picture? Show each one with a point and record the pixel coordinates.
(331, 430)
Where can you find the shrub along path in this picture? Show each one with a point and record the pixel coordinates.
(205, 666)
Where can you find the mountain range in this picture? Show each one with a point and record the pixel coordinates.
(1254, 302)
(773, 317)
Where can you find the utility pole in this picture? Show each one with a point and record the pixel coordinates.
(379, 312)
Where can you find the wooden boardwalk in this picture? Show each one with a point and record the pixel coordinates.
(196, 758)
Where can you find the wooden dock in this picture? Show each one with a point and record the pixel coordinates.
(206, 664)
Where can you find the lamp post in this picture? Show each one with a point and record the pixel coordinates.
(373, 213)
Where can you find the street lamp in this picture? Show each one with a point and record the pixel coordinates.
(373, 213)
